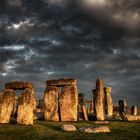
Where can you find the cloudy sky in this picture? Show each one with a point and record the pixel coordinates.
(83, 39)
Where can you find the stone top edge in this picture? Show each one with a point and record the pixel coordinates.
(19, 85)
(61, 82)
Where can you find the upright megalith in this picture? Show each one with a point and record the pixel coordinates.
(99, 100)
(68, 103)
(6, 105)
(108, 101)
(122, 107)
(134, 110)
(25, 107)
(60, 99)
(25, 103)
(51, 103)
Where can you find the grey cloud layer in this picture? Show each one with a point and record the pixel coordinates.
(46, 39)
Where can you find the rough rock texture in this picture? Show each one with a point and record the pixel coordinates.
(68, 127)
(122, 107)
(108, 101)
(99, 100)
(61, 82)
(68, 103)
(95, 129)
(51, 103)
(6, 105)
(134, 110)
(19, 85)
(131, 118)
(114, 118)
(25, 108)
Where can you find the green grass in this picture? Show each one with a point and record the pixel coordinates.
(43, 130)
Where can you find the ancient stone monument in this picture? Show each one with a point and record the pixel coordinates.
(134, 110)
(99, 100)
(61, 99)
(122, 107)
(108, 101)
(25, 107)
(8, 103)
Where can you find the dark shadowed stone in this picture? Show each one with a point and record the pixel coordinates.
(122, 107)
(134, 110)
(19, 85)
(6, 105)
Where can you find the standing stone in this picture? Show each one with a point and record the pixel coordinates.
(6, 105)
(51, 103)
(134, 110)
(68, 103)
(99, 97)
(108, 101)
(122, 107)
(25, 108)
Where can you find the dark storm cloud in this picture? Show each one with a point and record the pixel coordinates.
(83, 39)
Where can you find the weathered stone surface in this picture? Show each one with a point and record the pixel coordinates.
(68, 127)
(61, 82)
(98, 99)
(95, 129)
(134, 110)
(122, 107)
(114, 118)
(19, 85)
(68, 103)
(51, 103)
(108, 101)
(132, 117)
(6, 105)
(25, 108)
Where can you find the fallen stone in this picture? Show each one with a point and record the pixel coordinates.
(131, 117)
(68, 127)
(101, 122)
(95, 129)
(113, 118)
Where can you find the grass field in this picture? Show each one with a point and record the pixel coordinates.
(43, 130)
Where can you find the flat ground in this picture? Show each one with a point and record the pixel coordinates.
(43, 130)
